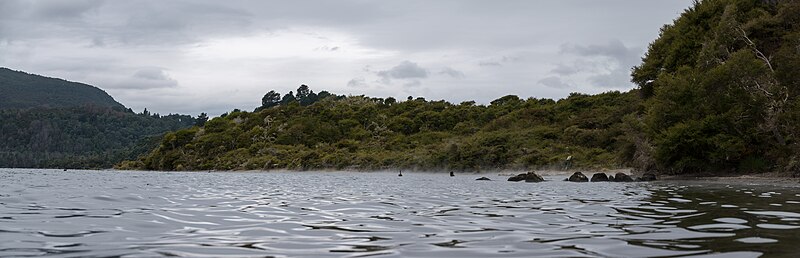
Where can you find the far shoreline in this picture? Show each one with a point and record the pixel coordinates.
(767, 178)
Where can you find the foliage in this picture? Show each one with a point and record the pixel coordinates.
(719, 86)
(358, 132)
(53, 123)
(80, 137)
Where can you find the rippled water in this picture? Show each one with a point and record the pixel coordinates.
(343, 214)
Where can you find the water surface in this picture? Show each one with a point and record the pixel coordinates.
(348, 214)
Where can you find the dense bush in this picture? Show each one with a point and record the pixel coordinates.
(357, 132)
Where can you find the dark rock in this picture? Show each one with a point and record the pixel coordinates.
(599, 177)
(483, 179)
(517, 178)
(529, 177)
(622, 177)
(533, 178)
(578, 177)
(647, 177)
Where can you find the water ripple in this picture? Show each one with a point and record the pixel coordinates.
(319, 214)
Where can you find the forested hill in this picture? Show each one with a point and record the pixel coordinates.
(53, 123)
(721, 86)
(323, 131)
(718, 93)
(24, 90)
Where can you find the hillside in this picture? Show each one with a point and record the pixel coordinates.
(721, 86)
(304, 132)
(23, 90)
(53, 123)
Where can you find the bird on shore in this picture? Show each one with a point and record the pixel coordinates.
(401, 173)
(451, 173)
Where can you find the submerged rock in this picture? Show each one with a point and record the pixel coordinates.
(529, 177)
(483, 179)
(622, 177)
(600, 177)
(578, 177)
(647, 177)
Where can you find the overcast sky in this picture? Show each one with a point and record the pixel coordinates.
(213, 56)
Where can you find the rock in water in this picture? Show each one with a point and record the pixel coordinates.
(578, 177)
(533, 178)
(648, 177)
(483, 179)
(622, 177)
(517, 178)
(599, 177)
(528, 177)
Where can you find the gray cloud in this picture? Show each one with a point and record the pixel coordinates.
(599, 65)
(357, 83)
(614, 49)
(66, 8)
(452, 72)
(412, 83)
(554, 82)
(147, 78)
(562, 69)
(616, 79)
(105, 43)
(404, 70)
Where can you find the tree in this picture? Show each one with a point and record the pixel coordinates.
(201, 119)
(288, 98)
(306, 96)
(303, 92)
(271, 99)
(323, 94)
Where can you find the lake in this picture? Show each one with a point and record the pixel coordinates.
(356, 214)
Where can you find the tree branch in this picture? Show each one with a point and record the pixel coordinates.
(752, 45)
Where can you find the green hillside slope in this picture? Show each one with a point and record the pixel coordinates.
(23, 90)
(53, 123)
(358, 132)
(722, 86)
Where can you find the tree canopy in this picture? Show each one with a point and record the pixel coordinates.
(721, 85)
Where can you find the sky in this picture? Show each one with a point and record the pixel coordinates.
(195, 56)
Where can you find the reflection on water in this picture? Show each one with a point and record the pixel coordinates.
(106, 213)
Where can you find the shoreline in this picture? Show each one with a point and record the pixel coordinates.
(768, 178)
(772, 179)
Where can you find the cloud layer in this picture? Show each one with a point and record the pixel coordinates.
(212, 56)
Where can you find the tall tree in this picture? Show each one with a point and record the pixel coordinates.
(302, 92)
(271, 99)
(201, 119)
(288, 98)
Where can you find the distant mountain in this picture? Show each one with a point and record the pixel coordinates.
(53, 123)
(23, 90)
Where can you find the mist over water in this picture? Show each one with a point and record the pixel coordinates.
(350, 214)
